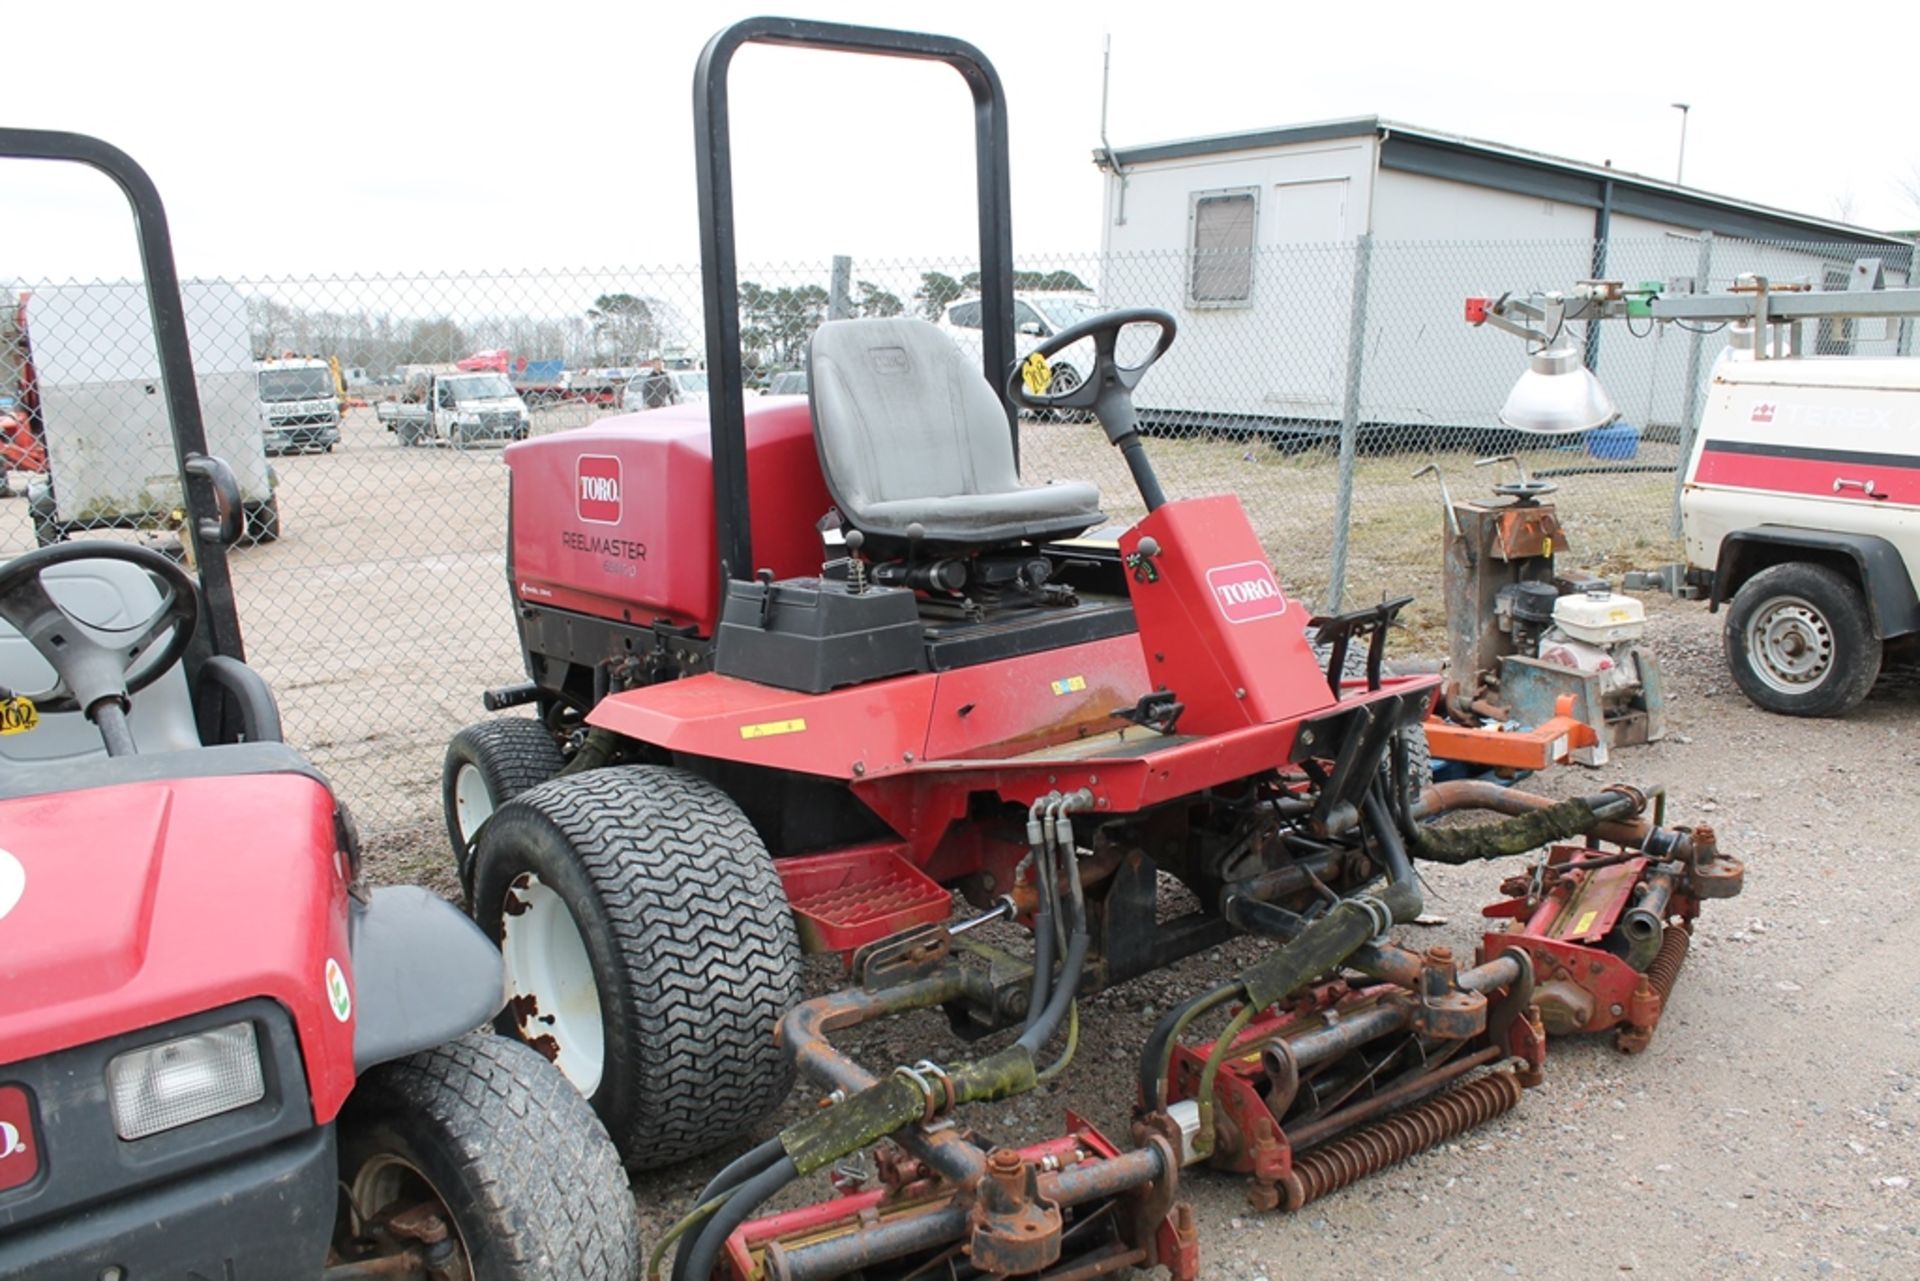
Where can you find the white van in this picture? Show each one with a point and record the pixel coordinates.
(1802, 508)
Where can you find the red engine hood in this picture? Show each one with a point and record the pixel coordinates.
(616, 518)
(125, 907)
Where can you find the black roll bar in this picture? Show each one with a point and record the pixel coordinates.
(198, 482)
(719, 268)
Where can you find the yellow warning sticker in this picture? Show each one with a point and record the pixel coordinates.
(1069, 685)
(18, 716)
(1585, 923)
(1036, 374)
(1546, 545)
(768, 729)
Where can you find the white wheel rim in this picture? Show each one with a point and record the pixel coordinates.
(550, 988)
(472, 802)
(1790, 644)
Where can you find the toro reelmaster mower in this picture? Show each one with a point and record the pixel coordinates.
(754, 741)
(221, 1053)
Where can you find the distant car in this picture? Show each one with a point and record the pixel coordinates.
(650, 389)
(788, 382)
(1037, 316)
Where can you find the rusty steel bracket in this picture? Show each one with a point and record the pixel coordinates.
(902, 958)
(1012, 1229)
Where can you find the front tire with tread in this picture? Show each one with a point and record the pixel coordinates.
(520, 1162)
(688, 935)
(506, 756)
(1824, 656)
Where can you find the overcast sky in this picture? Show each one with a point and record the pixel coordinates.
(360, 138)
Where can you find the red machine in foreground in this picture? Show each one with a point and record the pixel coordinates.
(755, 737)
(223, 1053)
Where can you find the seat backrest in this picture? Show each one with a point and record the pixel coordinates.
(110, 594)
(901, 413)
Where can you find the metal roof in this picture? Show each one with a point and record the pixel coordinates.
(1429, 152)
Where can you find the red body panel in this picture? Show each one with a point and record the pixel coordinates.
(1219, 631)
(1895, 479)
(878, 728)
(645, 549)
(148, 902)
(1214, 628)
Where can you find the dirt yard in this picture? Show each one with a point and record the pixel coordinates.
(1773, 1130)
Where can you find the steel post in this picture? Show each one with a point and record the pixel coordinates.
(1349, 423)
(840, 289)
(1690, 412)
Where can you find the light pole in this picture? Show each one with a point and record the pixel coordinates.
(1680, 169)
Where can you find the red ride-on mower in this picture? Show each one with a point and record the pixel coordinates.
(221, 1053)
(753, 741)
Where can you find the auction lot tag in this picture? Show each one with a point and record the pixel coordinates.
(1035, 372)
(18, 716)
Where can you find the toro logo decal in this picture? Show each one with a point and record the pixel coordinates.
(1246, 591)
(596, 488)
(1763, 412)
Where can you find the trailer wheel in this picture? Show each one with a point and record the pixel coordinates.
(649, 952)
(485, 1137)
(262, 523)
(487, 765)
(1800, 641)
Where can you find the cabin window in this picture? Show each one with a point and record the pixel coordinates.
(1220, 243)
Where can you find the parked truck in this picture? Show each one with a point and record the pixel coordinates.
(459, 409)
(534, 381)
(94, 373)
(302, 400)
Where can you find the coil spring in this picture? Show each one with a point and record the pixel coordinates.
(1406, 1134)
(1665, 970)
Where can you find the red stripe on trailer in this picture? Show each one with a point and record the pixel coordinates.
(1814, 477)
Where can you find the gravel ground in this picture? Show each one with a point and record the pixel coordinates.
(1772, 1130)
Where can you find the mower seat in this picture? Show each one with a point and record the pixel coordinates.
(111, 594)
(909, 433)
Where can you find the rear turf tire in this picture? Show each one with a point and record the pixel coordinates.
(1800, 641)
(659, 986)
(487, 765)
(522, 1167)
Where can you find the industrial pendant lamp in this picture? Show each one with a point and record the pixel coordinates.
(1557, 394)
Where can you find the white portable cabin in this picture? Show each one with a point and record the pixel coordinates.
(1253, 241)
(110, 449)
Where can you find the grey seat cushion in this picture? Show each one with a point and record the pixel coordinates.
(909, 433)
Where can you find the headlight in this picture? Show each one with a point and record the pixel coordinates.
(175, 1083)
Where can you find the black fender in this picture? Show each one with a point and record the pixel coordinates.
(1892, 604)
(423, 974)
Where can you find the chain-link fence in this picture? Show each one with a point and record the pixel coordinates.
(364, 418)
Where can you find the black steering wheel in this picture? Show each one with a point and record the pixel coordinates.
(92, 662)
(1106, 389)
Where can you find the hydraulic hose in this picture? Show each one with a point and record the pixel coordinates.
(1038, 832)
(1316, 948)
(1523, 832)
(1156, 1057)
(746, 1198)
(736, 1172)
(926, 1090)
(1040, 1028)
